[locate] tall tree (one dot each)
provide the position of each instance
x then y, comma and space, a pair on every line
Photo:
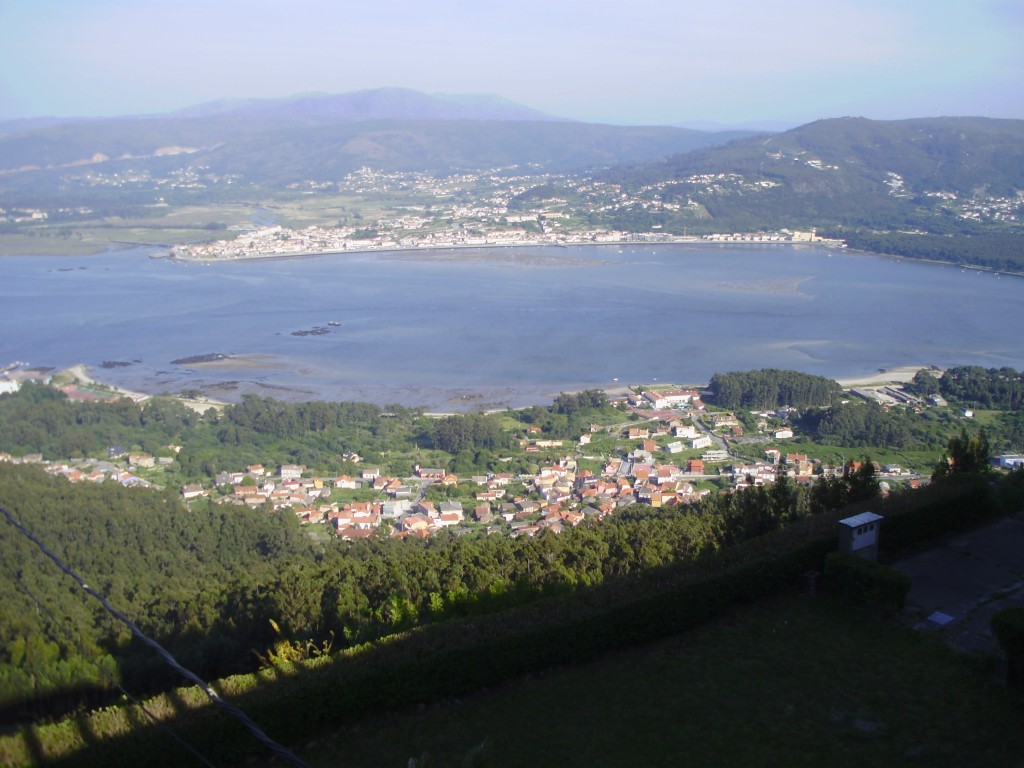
965, 455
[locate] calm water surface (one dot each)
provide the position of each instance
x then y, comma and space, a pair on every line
455, 330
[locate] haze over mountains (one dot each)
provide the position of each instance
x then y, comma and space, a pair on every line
315, 136
375, 104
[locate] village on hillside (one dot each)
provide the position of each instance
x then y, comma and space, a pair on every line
669, 450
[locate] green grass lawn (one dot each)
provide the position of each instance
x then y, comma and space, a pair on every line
787, 682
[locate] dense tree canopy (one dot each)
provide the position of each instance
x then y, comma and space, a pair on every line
473, 431
42, 419
977, 387
168, 566
771, 388
571, 403
867, 424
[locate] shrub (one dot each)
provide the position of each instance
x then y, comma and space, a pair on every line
866, 583
942, 508
1008, 627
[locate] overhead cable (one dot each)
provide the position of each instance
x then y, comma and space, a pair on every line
110, 678
225, 706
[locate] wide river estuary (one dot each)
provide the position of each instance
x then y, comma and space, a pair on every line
493, 328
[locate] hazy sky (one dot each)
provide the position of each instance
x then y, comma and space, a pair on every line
623, 61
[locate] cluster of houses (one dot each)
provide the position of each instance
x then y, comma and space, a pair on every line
795, 466
656, 467
93, 471
99, 473
280, 241
559, 494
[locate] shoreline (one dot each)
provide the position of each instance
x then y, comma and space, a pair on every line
935, 262
901, 374
82, 375
405, 249
685, 240
163, 253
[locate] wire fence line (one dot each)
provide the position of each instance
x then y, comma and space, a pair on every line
223, 705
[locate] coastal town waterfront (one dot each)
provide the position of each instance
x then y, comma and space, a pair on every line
278, 241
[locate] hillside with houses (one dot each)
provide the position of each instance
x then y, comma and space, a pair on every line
267, 532
657, 447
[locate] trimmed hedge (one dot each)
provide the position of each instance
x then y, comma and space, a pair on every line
866, 583
950, 506
1008, 627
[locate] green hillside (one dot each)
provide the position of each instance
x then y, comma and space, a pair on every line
783, 682
850, 157
898, 187
357, 631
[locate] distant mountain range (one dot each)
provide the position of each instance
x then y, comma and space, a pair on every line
320, 136
374, 104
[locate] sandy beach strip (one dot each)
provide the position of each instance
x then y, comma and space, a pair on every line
81, 375
900, 375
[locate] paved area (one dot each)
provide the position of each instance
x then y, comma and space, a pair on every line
959, 585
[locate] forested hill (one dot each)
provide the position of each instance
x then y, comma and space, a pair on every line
896, 186
952, 154
167, 566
